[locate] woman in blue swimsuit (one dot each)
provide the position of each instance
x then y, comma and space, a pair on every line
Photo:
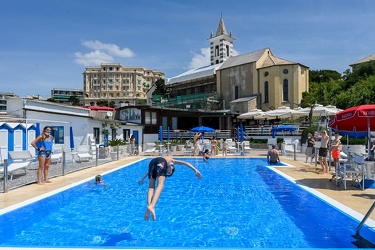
44, 151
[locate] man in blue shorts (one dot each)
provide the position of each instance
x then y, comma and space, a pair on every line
158, 169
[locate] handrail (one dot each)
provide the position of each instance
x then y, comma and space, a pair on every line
365, 218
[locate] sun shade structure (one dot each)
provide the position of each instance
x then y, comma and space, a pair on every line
317, 110
202, 129
280, 112
355, 120
252, 114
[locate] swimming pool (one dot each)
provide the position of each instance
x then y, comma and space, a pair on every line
238, 203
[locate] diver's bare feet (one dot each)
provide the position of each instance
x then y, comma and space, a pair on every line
147, 215
48, 181
40, 183
152, 211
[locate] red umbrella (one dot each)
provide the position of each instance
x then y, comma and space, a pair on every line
355, 119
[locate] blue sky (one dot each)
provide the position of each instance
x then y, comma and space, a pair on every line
46, 44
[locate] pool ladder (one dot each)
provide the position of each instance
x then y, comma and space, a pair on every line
365, 218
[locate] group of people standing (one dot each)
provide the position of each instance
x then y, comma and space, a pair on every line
323, 149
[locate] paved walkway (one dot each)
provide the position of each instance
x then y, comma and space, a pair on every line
357, 199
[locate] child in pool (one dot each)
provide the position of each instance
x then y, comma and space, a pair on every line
99, 181
206, 156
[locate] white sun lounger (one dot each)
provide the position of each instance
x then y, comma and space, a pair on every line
21, 160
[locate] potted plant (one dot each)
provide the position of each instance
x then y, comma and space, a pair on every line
114, 144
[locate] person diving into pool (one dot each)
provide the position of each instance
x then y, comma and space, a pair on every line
158, 169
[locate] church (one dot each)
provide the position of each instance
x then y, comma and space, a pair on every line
240, 83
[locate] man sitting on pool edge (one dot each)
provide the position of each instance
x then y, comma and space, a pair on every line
158, 169
273, 155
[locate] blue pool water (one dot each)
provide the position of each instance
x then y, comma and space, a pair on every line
238, 203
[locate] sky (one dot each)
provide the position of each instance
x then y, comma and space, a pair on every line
46, 44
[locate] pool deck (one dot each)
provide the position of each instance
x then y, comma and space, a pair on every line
354, 198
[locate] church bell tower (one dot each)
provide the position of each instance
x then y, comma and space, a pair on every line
221, 45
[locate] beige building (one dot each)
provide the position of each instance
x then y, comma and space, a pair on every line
364, 60
273, 81
118, 84
253, 80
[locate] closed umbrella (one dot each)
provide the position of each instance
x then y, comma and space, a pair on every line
71, 137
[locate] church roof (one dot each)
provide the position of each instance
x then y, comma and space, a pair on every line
273, 60
243, 59
204, 71
366, 59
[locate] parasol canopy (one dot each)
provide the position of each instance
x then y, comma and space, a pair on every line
202, 129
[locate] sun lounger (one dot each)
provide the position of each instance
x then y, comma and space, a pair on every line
83, 153
21, 160
150, 149
57, 153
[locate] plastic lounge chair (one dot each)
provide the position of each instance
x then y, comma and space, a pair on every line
353, 170
21, 160
83, 153
57, 150
231, 147
246, 146
150, 149
189, 151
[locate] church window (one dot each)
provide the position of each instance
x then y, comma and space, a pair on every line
285, 90
266, 73
285, 71
216, 50
227, 47
236, 92
266, 96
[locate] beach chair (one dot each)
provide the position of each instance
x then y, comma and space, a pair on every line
57, 153
83, 153
21, 160
246, 146
189, 151
150, 149
353, 170
231, 147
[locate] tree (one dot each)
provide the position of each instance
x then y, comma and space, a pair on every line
51, 99
160, 87
74, 100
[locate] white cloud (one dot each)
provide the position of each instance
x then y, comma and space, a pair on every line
93, 58
200, 60
103, 53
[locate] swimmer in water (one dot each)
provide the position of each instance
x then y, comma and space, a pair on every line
158, 169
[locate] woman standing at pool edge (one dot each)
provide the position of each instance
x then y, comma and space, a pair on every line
44, 153
158, 169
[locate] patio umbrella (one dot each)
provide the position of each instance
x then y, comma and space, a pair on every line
254, 113
317, 110
37, 132
161, 134
71, 138
202, 129
355, 119
280, 112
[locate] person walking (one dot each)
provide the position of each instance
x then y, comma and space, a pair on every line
45, 140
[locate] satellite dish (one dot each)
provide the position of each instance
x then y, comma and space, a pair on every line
109, 113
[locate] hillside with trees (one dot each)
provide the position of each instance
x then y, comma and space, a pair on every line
328, 87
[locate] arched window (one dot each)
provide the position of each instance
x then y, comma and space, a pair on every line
266, 94
285, 90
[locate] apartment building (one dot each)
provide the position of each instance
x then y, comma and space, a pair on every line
118, 84
64, 95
